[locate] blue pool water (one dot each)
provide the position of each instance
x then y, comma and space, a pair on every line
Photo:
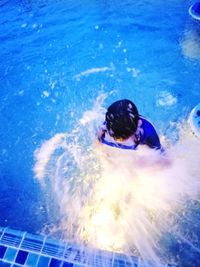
58, 57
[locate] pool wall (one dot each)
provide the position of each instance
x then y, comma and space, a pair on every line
18, 248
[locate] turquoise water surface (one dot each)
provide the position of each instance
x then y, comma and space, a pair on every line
58, 57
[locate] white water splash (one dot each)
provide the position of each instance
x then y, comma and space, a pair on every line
190, 44
92, 71
43, 155
116, 199
95, 114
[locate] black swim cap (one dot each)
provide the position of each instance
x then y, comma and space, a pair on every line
122, 119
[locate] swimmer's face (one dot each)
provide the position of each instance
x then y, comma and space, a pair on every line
121, 139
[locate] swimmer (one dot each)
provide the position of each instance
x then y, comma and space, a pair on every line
125, 128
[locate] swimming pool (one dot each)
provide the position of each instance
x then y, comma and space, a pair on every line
58, 57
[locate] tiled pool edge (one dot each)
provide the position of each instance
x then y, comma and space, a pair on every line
18, 248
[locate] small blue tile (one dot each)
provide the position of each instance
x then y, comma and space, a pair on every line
119, 263
43, 261
67, 264
10, 254
4, 264
2, 251
32, 259
55, 263
21, 257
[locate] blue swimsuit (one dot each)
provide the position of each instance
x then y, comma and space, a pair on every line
146, 136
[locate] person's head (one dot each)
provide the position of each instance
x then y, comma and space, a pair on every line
122, 119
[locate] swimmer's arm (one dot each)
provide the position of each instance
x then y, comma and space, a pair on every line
149, 135
153, 142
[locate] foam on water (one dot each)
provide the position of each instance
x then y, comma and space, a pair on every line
116, 199
166, 99
190, 44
